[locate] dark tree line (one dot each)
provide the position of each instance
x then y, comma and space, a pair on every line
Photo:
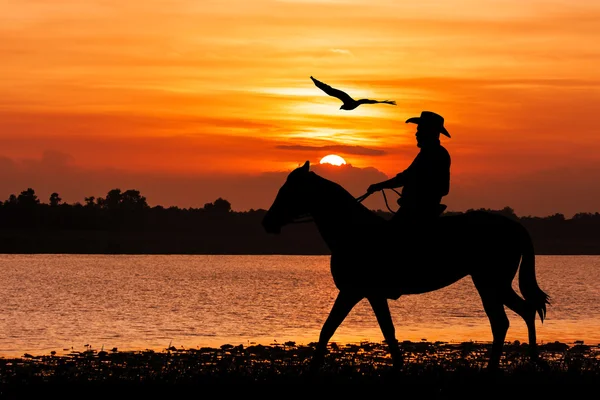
123, 222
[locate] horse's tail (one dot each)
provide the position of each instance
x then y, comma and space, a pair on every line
527, 280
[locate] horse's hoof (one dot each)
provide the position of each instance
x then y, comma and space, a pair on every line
542, 364
396, 369
314, 367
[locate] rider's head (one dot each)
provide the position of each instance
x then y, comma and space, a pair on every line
429, 127
427, 136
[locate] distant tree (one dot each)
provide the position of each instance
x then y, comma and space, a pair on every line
585, 216
556, 217
27, 198
54, 199
219, 206
113, 199
12, 200
89, 201
132, 200
508, 212
222, 205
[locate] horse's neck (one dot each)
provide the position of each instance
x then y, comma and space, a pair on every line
335, 211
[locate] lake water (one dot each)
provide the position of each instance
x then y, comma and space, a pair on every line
136, 302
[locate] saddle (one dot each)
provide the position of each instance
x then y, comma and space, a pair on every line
415, 231
439, 210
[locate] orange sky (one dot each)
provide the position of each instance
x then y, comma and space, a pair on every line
189, 100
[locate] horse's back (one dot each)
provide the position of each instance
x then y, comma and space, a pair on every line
435, 255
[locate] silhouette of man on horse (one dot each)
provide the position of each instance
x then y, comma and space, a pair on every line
365, 264
427, 178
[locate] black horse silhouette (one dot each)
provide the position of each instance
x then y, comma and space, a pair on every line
370, 259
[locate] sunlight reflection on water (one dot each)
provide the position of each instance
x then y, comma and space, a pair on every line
59, 302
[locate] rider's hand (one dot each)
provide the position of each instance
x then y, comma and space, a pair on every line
374, 188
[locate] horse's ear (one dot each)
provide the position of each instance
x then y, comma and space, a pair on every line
306, 165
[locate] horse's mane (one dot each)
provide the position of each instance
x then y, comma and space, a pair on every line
344, 197
335, 187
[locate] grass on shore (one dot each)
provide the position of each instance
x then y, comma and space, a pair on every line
434, 367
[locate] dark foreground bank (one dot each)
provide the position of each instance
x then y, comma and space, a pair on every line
430, 369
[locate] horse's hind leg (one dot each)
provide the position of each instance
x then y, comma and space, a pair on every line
494, 308
344, 303
527, 312
384, 318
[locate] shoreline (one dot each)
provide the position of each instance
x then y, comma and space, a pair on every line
429, 363
290, 344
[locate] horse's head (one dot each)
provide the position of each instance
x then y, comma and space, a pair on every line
291, 201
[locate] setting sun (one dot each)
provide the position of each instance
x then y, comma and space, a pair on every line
333, 160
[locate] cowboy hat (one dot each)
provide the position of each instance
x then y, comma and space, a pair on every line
430, 119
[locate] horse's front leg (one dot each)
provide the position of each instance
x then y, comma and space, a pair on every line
384, 318
344, 303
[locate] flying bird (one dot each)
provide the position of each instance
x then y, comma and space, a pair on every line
349, 102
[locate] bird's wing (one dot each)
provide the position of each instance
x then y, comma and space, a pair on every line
343, 96
367, 101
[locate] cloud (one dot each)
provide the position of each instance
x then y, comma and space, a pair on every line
355, 150
56, 159
341, 51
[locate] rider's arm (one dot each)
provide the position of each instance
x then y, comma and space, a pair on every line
391, 183
396, 181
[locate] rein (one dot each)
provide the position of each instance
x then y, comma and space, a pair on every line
307, 218
385, 198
